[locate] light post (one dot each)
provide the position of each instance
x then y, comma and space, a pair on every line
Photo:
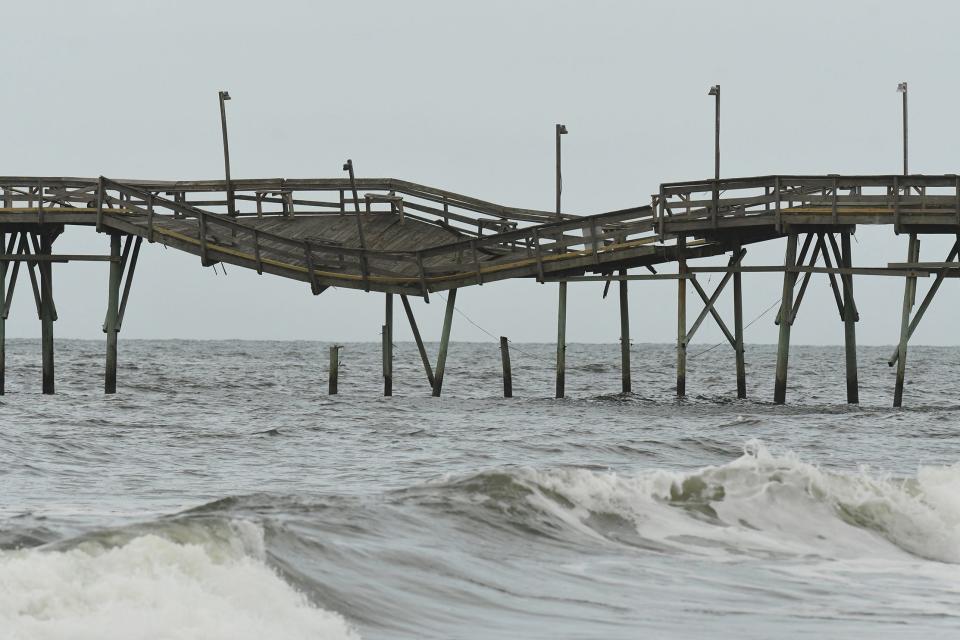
231, 204
715, 91
562, 300
902, 88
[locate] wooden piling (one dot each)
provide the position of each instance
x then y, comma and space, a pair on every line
909, 289
561, 340
46, 312
507, 374
625, 385
388, 347
444, 343
334, 370
113, 312
738, 332
416, 336
3, 320
681, 317
849, 325
786, 311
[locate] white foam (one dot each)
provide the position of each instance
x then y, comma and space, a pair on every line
152, 587
771, 504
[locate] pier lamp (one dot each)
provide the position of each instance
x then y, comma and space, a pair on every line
902, 88
231, 204
715, 92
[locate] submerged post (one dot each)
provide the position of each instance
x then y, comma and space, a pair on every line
388, 347
849, 324
681, 317
3, 320
909, 291
738, 331
113, 306
334, 371
46, 311
444, 343
561, 340
507, 374
624, 336
786, 311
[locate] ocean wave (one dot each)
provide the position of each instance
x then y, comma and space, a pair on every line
760, 504
202, 579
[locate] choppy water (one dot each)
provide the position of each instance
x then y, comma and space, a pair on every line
223, 494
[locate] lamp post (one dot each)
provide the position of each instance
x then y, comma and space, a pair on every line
902, 88
231, 205
562, 300
715, 91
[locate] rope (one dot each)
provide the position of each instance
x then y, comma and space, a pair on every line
747, 326
495, 337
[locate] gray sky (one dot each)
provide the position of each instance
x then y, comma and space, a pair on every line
464, 96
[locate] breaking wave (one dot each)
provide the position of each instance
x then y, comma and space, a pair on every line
198, 580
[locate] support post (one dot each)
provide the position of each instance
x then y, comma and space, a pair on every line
909, 289
507, 374
388, 347
849, 325
444, 343
681, 317
738, 332
416, 336
334, 372
3, 320
113, 313
624, 336
46, 311
561, 340
786, 306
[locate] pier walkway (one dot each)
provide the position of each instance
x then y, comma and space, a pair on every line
398, 237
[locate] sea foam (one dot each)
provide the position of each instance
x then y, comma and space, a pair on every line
154, 587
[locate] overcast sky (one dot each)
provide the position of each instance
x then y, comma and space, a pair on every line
464, 96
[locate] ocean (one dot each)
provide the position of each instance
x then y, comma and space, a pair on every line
223, 494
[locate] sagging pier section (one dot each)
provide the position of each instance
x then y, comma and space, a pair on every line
409, 240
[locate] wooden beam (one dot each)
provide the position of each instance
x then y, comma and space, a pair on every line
444, 343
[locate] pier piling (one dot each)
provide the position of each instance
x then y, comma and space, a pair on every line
681, 317
849, 324
507, 374
388, 347
113, 305
625, 385
738, 331
47, 310
334, 370
909, 293
416, 337
561, 340
786, 307
444, 343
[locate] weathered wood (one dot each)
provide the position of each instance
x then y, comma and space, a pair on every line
444, 343
681, 318
849, 326
416, 336
507, 373
625, 382
113, 314
128, 281
333, 374
561, 372
47, 314
913, 255
3, 320
738, 334
388, 346
783, 344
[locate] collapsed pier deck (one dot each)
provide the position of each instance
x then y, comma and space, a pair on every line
398, 237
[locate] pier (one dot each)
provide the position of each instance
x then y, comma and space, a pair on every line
398, 238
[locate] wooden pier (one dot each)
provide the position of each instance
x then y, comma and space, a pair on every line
396, 237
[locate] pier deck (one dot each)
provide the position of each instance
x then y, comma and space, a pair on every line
398, 237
